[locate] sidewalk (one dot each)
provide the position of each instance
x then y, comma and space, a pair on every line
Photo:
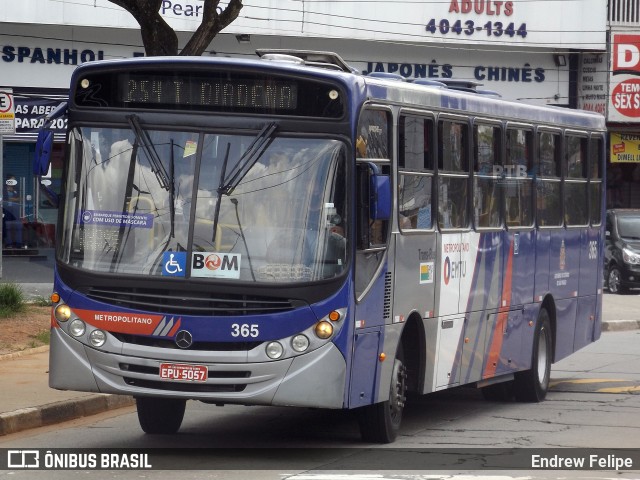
28, 402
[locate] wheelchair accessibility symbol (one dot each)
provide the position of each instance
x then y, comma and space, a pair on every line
174, 264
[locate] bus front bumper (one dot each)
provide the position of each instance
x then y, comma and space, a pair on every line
315, 379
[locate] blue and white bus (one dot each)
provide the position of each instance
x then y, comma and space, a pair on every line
285, 231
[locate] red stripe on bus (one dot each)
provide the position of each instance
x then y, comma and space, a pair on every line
503, 315
175, 328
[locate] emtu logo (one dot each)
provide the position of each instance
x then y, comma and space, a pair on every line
447, 270
454, 270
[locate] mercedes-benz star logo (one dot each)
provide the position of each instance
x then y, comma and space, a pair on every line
184, 339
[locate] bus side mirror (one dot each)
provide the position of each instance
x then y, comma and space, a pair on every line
373, 202
380, 196
44, 142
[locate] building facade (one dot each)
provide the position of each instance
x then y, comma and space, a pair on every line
539, 52
623, 104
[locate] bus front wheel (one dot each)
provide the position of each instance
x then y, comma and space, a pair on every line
532, 385
160, 415
380, 422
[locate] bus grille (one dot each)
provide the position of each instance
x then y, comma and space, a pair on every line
189, 303
184, 387
386, 314
204, 346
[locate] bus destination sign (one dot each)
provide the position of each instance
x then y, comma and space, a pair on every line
208, 90
240, 93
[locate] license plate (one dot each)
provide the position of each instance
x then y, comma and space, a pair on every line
183, 372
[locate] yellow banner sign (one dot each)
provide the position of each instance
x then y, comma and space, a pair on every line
625, 148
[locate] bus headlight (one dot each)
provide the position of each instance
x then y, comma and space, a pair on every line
77, 327
62, 313
324, 330
274, 350
300, 343
97, 338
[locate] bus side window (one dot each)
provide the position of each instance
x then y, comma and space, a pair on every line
518, 184
415, 180
595, 180
453, 175
373, 142
576, 189
487, 171
548, 180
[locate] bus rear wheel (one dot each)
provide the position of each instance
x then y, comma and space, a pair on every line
532, 385
380, 422
160, 415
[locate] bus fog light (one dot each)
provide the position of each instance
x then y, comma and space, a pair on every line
77, 327
62, 312
324, 330
300, 343
274, 350
97, 338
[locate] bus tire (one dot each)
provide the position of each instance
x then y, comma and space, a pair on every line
160, 415
532, 385
380, 422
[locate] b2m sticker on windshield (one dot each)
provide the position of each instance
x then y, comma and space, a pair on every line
115, 219
215, 265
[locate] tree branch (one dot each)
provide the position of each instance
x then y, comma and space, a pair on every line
212, 23
158, 37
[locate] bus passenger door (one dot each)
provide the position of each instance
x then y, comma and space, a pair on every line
590, 282
456, 259
564, 280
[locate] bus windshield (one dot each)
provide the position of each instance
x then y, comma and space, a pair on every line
194, 204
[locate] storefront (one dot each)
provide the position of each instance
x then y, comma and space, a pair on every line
36, 63
30, 203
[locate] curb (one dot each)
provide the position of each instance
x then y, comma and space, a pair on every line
22, 353
620, 325
52, 413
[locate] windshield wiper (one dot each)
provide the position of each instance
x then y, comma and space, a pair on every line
248, 159
143, 139
172, 194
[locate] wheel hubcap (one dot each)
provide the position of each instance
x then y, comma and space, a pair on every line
542, 357
397, 396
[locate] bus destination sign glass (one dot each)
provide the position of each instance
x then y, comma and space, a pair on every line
240, 93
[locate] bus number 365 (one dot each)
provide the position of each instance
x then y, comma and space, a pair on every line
245, 330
